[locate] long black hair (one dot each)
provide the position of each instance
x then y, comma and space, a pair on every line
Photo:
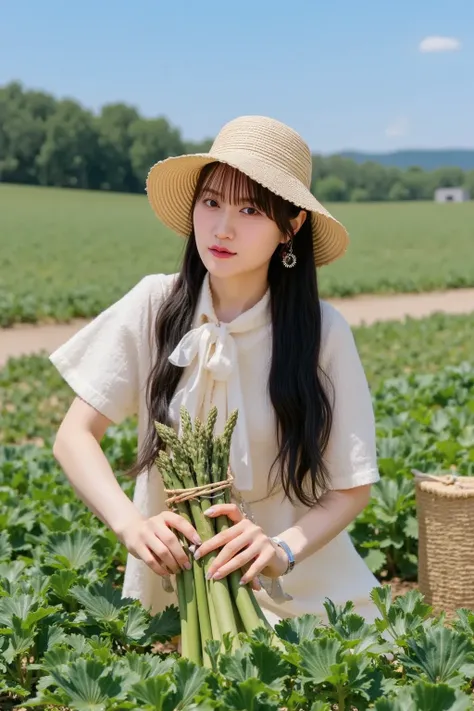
300, 399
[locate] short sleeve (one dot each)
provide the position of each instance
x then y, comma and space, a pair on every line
351, 454
101, 362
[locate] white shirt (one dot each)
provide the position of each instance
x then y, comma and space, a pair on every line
227, 365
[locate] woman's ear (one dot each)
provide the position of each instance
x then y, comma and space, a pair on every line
296, 224
298, 221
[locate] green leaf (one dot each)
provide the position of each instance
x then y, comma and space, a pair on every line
19, 605
12, 571
337, 614
213, 649
440, 421
413, 603
38, 701
137, 666
5, 547
57, 657
363, 637
464, 621
271, 668
375, 560
403, 617
318, 657
237, 666
61, 582
189, 680
136, 624
392, 496
157, 692
88, 685
320, 706
35, 616
363, 679
100, 600
442, 654
163, 626
297, 629
466, 439
73, 550
410, 528
249, 696
426, 697
19, 642
450, 449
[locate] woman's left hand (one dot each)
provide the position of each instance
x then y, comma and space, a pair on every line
242, 544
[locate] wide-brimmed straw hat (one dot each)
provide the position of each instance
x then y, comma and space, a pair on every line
268, 152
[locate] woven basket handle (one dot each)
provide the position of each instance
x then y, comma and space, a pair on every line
447, 479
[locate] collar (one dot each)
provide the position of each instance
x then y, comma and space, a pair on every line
255, 317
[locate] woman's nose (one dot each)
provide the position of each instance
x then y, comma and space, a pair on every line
224, 226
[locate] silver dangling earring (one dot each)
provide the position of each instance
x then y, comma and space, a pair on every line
288, 258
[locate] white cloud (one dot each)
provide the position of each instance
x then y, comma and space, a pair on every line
398, 127
439, 44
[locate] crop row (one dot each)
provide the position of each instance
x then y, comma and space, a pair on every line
68, 639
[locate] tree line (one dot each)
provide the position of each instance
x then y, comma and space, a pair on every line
47, 141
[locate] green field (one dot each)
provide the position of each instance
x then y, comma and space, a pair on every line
71, 642
34, 397
408, 379
66, 253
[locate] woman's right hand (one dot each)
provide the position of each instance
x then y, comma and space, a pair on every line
153, 541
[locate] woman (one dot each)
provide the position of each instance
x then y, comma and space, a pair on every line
240, 326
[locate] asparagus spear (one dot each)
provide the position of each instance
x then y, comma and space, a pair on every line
219, 589
191, 646
249, 609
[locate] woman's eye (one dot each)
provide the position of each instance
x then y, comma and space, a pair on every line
252, 211
210, 200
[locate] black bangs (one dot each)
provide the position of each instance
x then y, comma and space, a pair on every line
233, 186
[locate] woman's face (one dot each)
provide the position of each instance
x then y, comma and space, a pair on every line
246, 236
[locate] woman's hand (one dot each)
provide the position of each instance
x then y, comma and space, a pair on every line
154, 541
242, 544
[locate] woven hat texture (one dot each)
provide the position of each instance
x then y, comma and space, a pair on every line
267, 151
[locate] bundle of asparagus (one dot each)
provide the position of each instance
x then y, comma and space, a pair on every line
196, 474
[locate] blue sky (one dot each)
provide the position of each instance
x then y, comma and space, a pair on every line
344, 74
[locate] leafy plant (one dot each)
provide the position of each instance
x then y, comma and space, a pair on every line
424, 422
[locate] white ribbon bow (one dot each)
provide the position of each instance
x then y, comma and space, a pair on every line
223, 364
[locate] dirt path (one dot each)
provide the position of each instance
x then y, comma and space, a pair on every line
26, 339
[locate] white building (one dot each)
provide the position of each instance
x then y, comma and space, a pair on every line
451, 195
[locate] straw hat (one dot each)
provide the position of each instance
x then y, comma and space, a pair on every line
268, 152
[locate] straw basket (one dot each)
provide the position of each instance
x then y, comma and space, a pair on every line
445, 508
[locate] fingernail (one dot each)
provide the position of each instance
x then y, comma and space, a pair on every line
217, 575
209, 512
208, 575
187, 565
242, 581
197, 541
197, 554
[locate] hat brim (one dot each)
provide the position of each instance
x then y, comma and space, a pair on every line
171, 184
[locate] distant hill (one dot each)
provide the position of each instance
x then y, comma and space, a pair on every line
425, 159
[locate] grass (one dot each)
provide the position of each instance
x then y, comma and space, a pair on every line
392, 349
67, 253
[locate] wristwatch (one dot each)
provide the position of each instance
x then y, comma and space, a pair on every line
288, 551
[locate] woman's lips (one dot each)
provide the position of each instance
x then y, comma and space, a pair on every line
221, 254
